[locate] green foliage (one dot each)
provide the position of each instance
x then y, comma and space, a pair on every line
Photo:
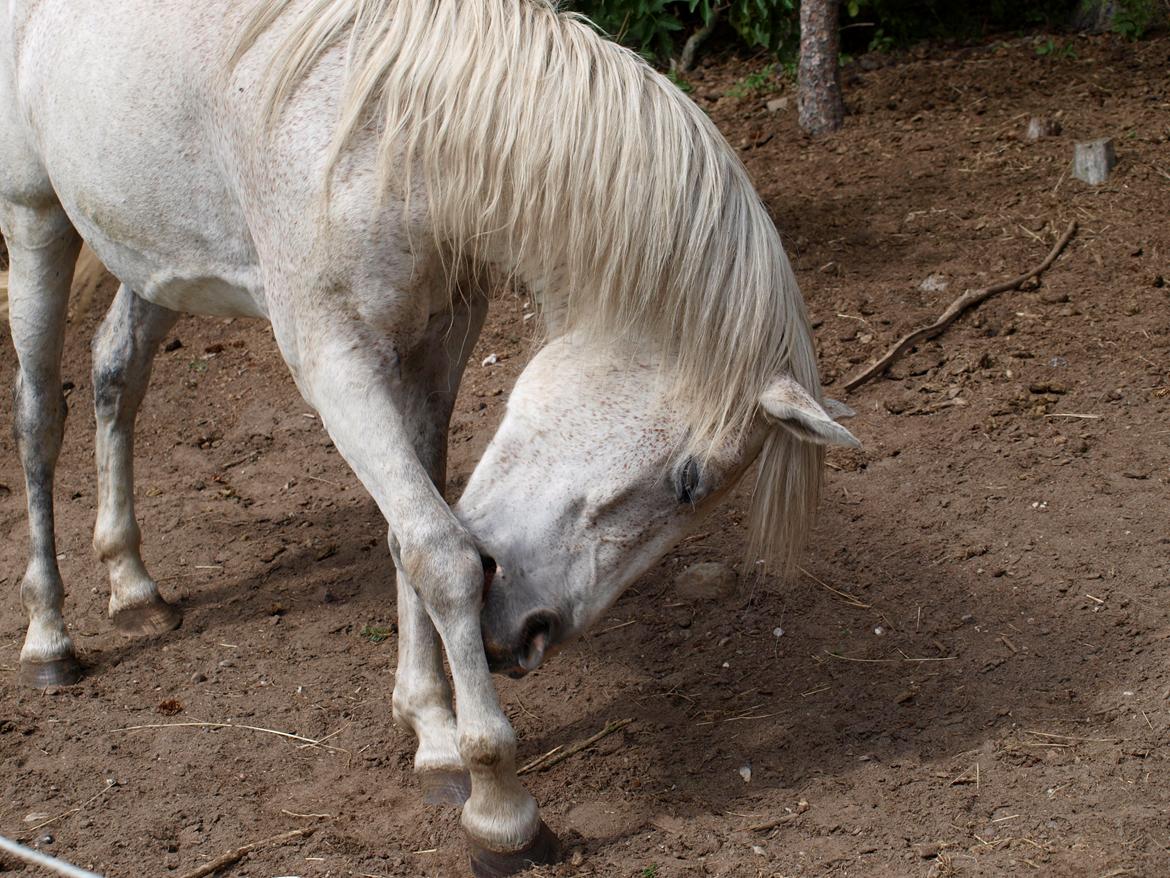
680, 82
376, 633
761, 82
1050, 48
1132, 18
657, 28
650, 871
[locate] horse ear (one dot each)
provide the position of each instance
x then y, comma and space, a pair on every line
790, 406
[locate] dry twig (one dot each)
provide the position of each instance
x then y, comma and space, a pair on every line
239, 853
956, 308
205, 725
551, 758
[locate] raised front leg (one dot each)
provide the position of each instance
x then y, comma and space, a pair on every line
422, 695
366, 399
123, 351
42, 248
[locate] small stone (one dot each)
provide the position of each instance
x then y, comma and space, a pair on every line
577, 858
927, 850
745, 772
777, 632
199, 677
46, 839
1054, 297
935, 283
1041, 387
900, 404
706, 581
173, 345
490, 360
777, 105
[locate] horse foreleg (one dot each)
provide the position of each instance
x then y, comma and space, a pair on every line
356, 386
123, 351
422, 695
422, 702
42, 248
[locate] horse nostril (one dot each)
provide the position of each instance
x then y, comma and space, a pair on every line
539, 633
489, 573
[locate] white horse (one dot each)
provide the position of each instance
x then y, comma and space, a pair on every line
358, 172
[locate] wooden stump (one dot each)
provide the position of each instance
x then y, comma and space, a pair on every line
1042, 126
1093, 160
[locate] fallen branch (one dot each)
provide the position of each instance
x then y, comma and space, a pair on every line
553, 757
957, 307
239, 853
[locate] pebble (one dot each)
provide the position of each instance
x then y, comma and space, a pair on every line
745, 772
199, 677
928, 850
777, 632
934, 283
706, 581
490, 360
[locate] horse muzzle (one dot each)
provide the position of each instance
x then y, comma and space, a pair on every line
516, 650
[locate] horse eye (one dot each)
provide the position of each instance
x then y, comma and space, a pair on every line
687, 487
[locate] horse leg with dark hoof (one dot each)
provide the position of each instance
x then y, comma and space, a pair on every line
146, 620
445, 787
123, 350
49, 675
543, 850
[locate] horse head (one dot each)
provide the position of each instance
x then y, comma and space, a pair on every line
590, 479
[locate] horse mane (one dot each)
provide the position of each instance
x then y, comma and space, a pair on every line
542, 144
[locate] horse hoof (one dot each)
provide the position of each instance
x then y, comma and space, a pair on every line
145, 620
46, 675
544, 850
444, 787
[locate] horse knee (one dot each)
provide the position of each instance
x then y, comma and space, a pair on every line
38, 423
446, 572
112, 364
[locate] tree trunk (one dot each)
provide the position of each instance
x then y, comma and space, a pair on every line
821, 107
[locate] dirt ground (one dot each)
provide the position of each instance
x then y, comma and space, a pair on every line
972, 678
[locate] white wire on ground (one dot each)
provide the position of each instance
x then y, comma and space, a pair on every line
43, 860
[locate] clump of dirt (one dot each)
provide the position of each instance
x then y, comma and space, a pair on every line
970, 676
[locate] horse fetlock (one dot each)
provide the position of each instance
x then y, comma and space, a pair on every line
489, 749
115, 541
41, 591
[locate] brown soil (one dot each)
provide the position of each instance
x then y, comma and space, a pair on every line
972, 679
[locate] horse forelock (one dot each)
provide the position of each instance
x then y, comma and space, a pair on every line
543, 145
